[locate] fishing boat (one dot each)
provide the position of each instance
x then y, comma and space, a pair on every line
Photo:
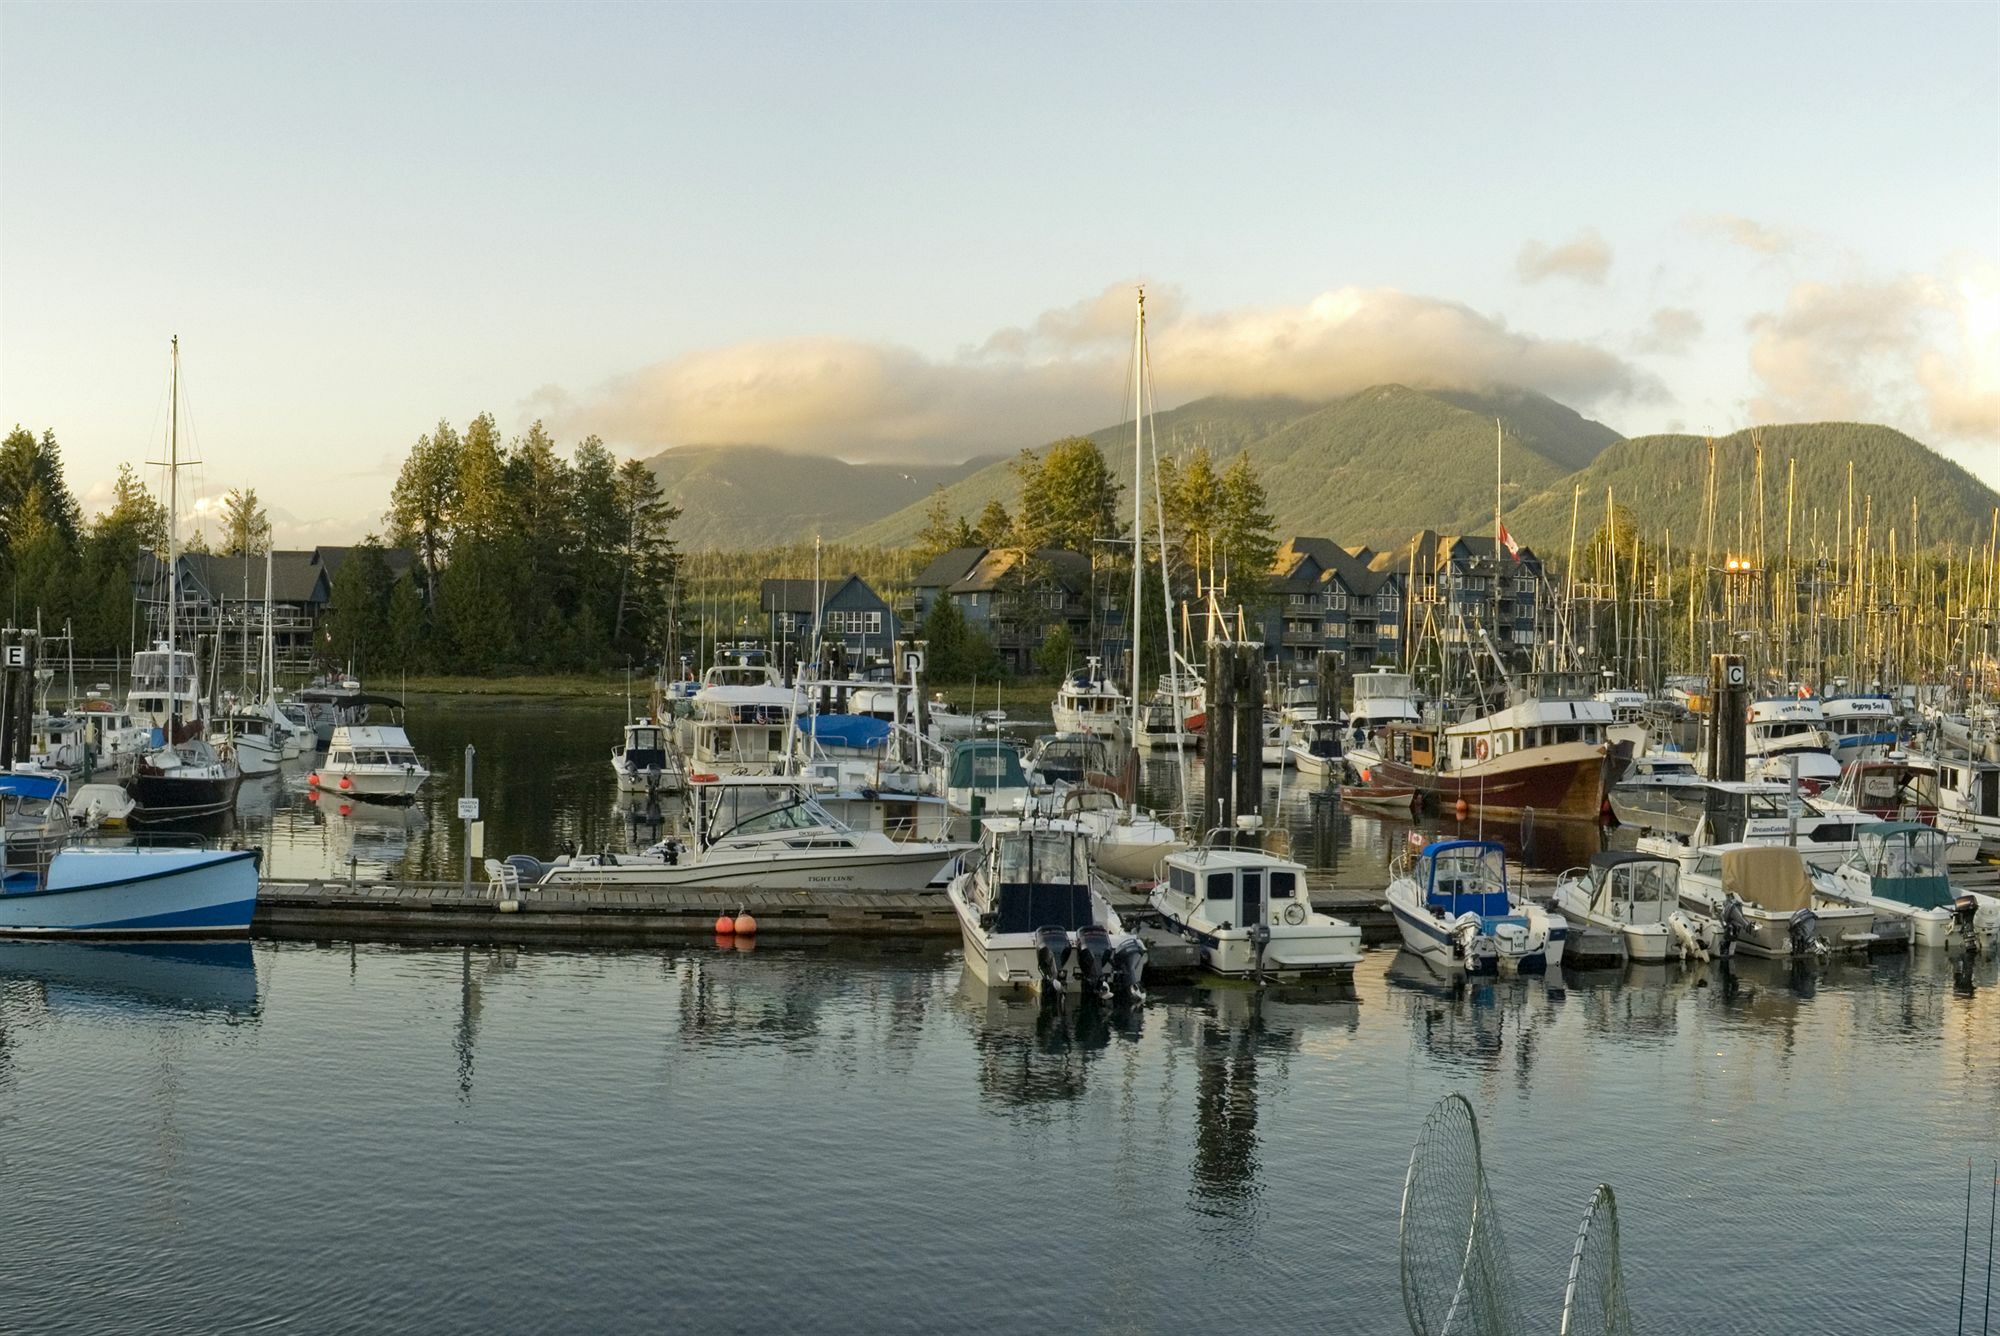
1030, 917
1628, 717
757, 833
1765, 897
1087, 703
1899, 872
1126, 842
1546, 751
1628, 905
642, 763
1248, 912
988, 769
1861, 728
1453, 906
123, 891
374, 762
1785, 732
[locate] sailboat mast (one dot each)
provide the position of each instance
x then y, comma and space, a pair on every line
1138, 493
173, 533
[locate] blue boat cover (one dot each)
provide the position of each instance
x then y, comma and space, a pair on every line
857, 731
26, 785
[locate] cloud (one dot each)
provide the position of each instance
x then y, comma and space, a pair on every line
1915, 349
1746, 232
1585, 258
1066, 370
1671, 329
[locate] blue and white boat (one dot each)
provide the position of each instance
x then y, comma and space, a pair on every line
123, 891
1863, 728
1453, 907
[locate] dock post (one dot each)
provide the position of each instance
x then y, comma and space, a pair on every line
1728, 716
465, 820
1217, 805
1249, 667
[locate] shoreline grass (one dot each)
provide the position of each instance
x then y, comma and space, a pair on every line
574, 685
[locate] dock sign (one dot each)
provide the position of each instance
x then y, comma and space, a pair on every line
913, 663
468, 809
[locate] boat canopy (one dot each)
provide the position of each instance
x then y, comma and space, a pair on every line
1906, 861
37, 786
985, 763
857, 732
1772, 876
1611, 858
1466, 876
1629, 880
1041, 877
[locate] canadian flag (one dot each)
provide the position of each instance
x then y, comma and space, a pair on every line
1507, 541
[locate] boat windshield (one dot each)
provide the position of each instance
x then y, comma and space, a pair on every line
1903, 853
757, 809
1652, 884
1041, 858
1469, 878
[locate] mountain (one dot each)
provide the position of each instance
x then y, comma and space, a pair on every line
1369, 467
748, 496
1662, 479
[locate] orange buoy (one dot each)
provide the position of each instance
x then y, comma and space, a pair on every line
313, 779
746, 926
1461, 808
346, 810
725, 925
346, 783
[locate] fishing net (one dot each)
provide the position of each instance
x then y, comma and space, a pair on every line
1456, 1277
1594, 1299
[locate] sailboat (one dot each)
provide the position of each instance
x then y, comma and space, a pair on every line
182, 776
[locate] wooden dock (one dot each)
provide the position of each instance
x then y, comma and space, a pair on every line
631, 915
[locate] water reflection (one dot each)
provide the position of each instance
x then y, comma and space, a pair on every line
132, 978
1030, 1054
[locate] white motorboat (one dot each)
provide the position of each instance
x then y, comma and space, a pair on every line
1785, 732
1249, 912
1628, 905
988, 769
1276, 740
1896, 786
1381, 698
1899, 872
1030, 916
1087, 703
96, 806
735, 727
1318, 749
1126, 842
1453, 906
763, 833
1068, 758
1766, 900
374, 762
1660, 791
115, 739
336, 701
642, 761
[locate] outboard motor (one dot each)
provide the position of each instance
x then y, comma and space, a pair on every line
1803, 931
1965, 921
1052, 948
1260, 938
1093, 959
1128, 968
1735, 925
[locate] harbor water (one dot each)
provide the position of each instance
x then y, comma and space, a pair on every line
840, 1137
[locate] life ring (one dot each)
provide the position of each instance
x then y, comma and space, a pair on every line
1479, 749
1295, 914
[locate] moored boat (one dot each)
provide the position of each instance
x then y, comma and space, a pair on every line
1249, 912
374, 762
1766, 900
1453, 906
131, 892
1899, 872
1629, 905
1030, 917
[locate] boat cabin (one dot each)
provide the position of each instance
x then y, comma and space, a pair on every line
985, 765
1891, 790
1382, 698
1464, 877
1323, 738
1905, 861
745, 806
1036, 874
1860, 718
1634, 887
1235, 888
1068, 758
1970, 787
164, 683
359, 746
645, 746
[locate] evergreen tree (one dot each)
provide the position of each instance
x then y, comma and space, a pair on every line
246, 529
1068, 497
424, 504
646, 556
995, 527
944, 633
940, 528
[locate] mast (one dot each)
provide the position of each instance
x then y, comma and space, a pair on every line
267, 667
173, 534
1138, 496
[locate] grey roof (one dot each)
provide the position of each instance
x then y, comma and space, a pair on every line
949, 567
1352, 566
1070, 569
397, 559
294, 577
797, 595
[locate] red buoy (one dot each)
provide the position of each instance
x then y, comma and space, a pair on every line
746, 926
313, 779
725, 925
346, 783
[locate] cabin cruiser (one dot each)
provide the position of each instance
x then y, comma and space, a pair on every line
1087, 703
1752, 812
114, 738
642, 763
1546, 751
1316, 749
1789, 731
1381, 698
1453, 907
57, 742
1068, 758
1766, 900
371, 761
988, 769
1899, 872
1630, 904
866, 795
736, 726
1645, 796
1030, 916
335, 700
1126, 842
1249, 912
1861, 727
757, 832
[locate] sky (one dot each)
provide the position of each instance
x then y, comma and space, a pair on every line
901, 231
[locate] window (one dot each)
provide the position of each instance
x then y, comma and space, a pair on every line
1282, 885
1336, 600
1221, 886
874, 623
1299, 600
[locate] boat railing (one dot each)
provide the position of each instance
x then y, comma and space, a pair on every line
1257, 839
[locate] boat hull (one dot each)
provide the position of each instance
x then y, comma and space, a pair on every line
1563, 781
1425, 934
158, 797
138, 893
908, 868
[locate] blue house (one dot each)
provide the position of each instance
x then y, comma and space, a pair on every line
1328, 597
850, 612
